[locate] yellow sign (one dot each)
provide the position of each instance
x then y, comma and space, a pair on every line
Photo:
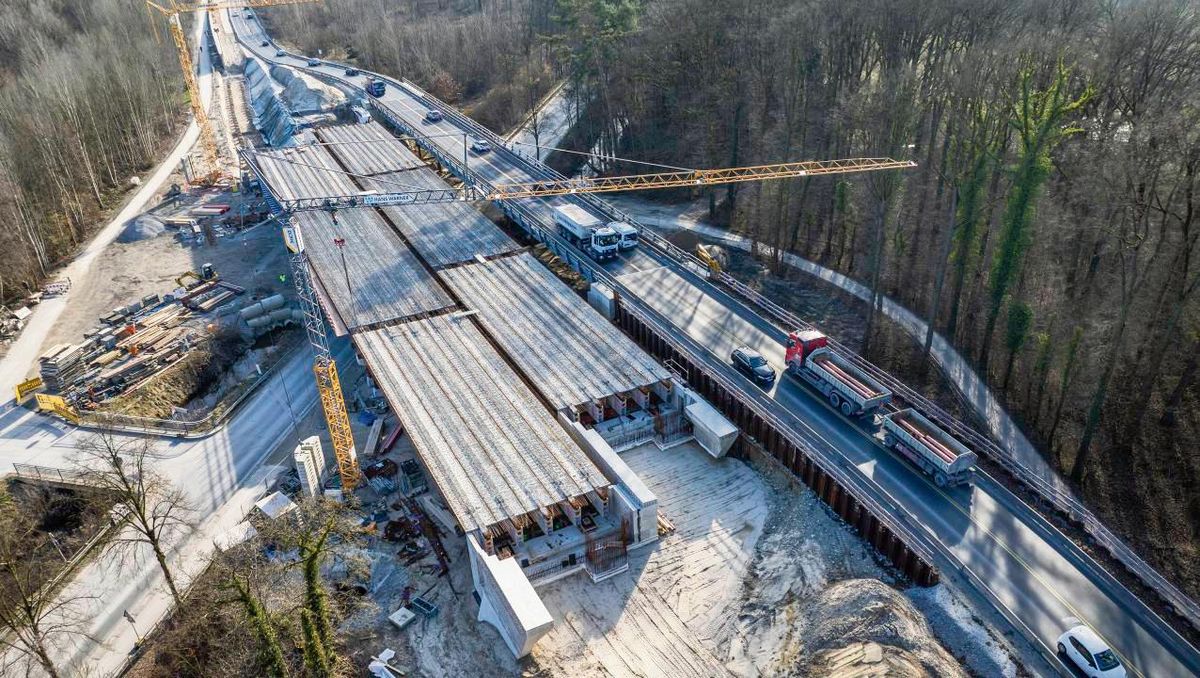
26, 387
56, 405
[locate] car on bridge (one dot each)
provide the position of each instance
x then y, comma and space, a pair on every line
1085, 650
280, 53
433, 115
751, 363
351, 72
266, 43
314, 62
480, 145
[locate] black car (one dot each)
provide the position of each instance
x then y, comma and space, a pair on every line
266, 43
351, 72
753, 365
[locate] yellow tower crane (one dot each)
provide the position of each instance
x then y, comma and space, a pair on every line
329, 387
210, 169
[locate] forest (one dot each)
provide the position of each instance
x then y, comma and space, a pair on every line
1050, 229
88, 96
488, 58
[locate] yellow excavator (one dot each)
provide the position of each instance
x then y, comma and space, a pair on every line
709, 260
206, 273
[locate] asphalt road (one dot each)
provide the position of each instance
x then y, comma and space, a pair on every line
1002, 546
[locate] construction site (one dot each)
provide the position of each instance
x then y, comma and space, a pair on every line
524, 398
509, 438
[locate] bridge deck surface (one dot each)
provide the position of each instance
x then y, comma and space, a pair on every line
492, 448
570, 352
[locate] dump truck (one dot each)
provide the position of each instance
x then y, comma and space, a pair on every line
586, 232
931, 449
848, 388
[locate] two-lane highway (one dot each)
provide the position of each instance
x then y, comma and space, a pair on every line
990, 540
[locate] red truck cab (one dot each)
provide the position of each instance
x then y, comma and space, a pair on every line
803, 342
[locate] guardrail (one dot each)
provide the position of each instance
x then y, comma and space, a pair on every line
1058, 497
49, 474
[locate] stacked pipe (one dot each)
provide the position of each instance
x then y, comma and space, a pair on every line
836, 370
935, 445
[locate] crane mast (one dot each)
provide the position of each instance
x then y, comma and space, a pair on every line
329, 387
210, 166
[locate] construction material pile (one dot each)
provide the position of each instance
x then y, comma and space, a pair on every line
132, 344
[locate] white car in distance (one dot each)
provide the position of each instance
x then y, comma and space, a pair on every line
1080, 646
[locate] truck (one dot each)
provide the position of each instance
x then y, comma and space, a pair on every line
912, 436
626, 232
376, 87
586, 232
848, 388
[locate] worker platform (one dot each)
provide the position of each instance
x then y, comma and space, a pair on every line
444, 233
382, 280
299, 173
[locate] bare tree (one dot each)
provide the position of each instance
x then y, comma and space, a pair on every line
156, 511
34, 617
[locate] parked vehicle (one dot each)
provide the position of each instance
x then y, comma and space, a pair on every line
586, 232
931, 449
1080, 646
480, 145
376, 88
751, 363
628, 234
351, 72
848, 388
433, 115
